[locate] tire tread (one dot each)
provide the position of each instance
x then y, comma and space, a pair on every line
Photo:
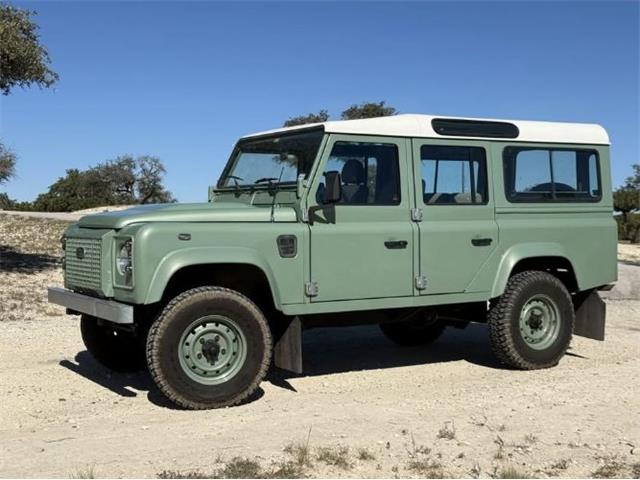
500, 315
161, 323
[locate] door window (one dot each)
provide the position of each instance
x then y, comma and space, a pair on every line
370, 173
453, 175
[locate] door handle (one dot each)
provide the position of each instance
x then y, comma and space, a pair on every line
396, 244
481, 242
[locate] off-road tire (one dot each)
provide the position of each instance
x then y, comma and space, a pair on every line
167, 330
414, 332
504, 317
115, 349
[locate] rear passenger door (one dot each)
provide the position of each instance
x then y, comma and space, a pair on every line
458, 230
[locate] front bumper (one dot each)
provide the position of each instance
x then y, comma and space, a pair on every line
97, 307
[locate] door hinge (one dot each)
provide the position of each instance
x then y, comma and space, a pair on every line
416, 214
311, 289
305, 215
421, 282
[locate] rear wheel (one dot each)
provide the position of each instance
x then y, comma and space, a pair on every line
114, 348
210, 347
419, 331
532, 323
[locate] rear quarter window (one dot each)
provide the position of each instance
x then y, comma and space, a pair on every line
539, 175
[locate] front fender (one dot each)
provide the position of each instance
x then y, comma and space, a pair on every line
521, 251
178, 259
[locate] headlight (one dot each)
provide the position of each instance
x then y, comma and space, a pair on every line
123, 259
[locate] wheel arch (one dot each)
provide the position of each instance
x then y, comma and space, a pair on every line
238, 268
549, 257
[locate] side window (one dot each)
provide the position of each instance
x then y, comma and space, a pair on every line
453, 175
539, 175
370, 173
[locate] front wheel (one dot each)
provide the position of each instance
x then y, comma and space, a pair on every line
209, 348
531, 324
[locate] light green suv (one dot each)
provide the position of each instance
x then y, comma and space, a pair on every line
413, 222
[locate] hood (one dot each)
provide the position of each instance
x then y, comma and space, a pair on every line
188, 212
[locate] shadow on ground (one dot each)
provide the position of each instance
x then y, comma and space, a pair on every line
12, 260
125, 384
326, 351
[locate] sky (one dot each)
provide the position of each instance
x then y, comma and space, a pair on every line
183, 80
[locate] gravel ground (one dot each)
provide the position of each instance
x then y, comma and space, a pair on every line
364, 408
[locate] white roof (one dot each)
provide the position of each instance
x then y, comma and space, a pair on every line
414, 125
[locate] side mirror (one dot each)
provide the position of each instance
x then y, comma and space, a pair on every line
333, 187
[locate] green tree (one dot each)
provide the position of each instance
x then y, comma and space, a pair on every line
23, 60
7, 164
368, 110
626, 200
126, 180
148, 187
321, 116
634, 180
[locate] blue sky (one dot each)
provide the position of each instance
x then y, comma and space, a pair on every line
183, 80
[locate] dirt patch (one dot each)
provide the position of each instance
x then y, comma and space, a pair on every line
629, 253
30, 260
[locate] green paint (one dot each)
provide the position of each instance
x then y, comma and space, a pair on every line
345, 252
539, 322
212, 350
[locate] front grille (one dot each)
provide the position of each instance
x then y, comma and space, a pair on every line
82, 263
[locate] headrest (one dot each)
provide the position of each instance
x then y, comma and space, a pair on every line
353, 172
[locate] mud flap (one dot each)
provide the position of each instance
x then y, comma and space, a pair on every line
287, 352
590, 315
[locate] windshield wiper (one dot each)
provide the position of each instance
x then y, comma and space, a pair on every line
266, 179
235, 179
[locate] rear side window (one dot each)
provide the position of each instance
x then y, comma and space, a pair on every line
551, 175
453, 175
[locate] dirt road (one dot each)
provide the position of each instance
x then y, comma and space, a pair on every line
61, 412
374, 409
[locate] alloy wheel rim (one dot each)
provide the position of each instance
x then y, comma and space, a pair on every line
212, 350
539, 322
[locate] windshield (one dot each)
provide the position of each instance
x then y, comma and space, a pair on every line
266, 160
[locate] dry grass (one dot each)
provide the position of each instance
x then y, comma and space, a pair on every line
365, 455
611, 467
240, 467
511, 472
335, 456
448, 431
427, 468
30, 257
84, 472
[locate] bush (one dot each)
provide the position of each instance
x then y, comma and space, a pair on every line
629, 230
7, 203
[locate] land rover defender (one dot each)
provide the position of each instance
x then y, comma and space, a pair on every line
413, 222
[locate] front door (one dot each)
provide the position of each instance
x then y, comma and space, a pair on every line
363, 246
458, 231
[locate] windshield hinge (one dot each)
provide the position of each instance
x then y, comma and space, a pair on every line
421, 282
416, 214
311, 289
